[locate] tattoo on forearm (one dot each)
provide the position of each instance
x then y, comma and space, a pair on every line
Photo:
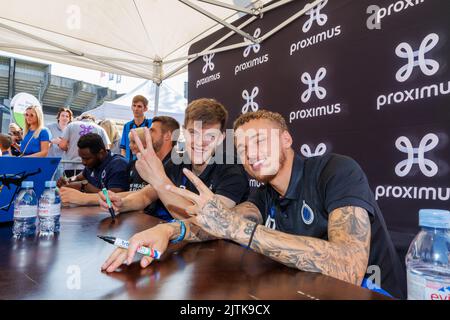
196, 234
344, 256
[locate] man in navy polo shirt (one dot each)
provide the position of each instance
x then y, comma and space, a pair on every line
316, 214
139, 108
102, 168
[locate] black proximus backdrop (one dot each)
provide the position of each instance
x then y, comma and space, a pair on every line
382, 94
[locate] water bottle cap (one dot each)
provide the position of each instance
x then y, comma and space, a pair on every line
434, 218
27, 184
50, 184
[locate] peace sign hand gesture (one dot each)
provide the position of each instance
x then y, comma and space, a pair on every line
149, 166
207, 210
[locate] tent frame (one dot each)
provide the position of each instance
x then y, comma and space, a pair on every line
256, 11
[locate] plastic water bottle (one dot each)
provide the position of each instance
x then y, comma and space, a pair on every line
49, 209
428, 257
25, 211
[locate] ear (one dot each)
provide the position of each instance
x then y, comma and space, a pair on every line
221, 138
286, 140
167, 136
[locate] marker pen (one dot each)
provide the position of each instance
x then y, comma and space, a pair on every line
108, 201
125, 244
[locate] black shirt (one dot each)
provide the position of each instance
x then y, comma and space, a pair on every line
318, 186
135, 180
228, 180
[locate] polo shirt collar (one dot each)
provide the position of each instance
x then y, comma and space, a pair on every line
105, 162
206, 172
296, 177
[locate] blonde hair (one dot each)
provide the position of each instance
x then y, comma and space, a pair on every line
141, 134
261, 114
40, 121
111, 129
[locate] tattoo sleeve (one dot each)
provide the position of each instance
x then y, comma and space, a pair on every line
344, 256
235, 223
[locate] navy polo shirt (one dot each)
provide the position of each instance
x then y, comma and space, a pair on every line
125, 141
111, 173
228, 180
318, 186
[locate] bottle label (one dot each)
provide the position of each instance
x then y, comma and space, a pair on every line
51, 210
25, 211
420, 288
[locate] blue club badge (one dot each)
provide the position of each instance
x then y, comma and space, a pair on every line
307, 214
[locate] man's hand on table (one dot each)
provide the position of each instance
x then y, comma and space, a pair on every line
157, 238
116, 201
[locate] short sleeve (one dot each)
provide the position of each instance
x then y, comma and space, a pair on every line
233, 184
258, 197
118, 175
45, 135
343, 183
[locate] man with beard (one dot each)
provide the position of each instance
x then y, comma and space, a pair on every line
319, 213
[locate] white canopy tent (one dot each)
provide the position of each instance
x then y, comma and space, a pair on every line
142, 38
171, 104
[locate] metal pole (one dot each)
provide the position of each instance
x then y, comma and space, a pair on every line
156, 98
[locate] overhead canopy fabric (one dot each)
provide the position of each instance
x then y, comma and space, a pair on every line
170, 104
141, 38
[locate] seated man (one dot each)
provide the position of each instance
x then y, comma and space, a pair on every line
205, 121
5, 145
161, 132
319, 213
102, 169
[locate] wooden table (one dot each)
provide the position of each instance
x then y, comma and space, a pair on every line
67, 266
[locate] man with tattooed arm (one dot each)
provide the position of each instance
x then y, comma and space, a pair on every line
316, 214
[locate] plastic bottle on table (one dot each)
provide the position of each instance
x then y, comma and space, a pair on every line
25, 210
49, 209
428, 257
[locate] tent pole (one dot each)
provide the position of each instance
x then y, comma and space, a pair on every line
230, 6
156, 98
218, 20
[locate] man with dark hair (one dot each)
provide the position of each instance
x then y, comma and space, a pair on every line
316, 214
139, 107
205, 121
5, 145
64, 117
102, 169
70, 137
163, 125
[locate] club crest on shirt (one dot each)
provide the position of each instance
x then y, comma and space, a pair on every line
307, 214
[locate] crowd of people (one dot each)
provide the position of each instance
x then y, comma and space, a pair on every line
316, 214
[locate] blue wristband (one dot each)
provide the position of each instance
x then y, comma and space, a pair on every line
182, 232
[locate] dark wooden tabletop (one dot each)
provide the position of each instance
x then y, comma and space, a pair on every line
67, 266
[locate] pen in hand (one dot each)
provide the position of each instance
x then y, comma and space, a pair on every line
108, 202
